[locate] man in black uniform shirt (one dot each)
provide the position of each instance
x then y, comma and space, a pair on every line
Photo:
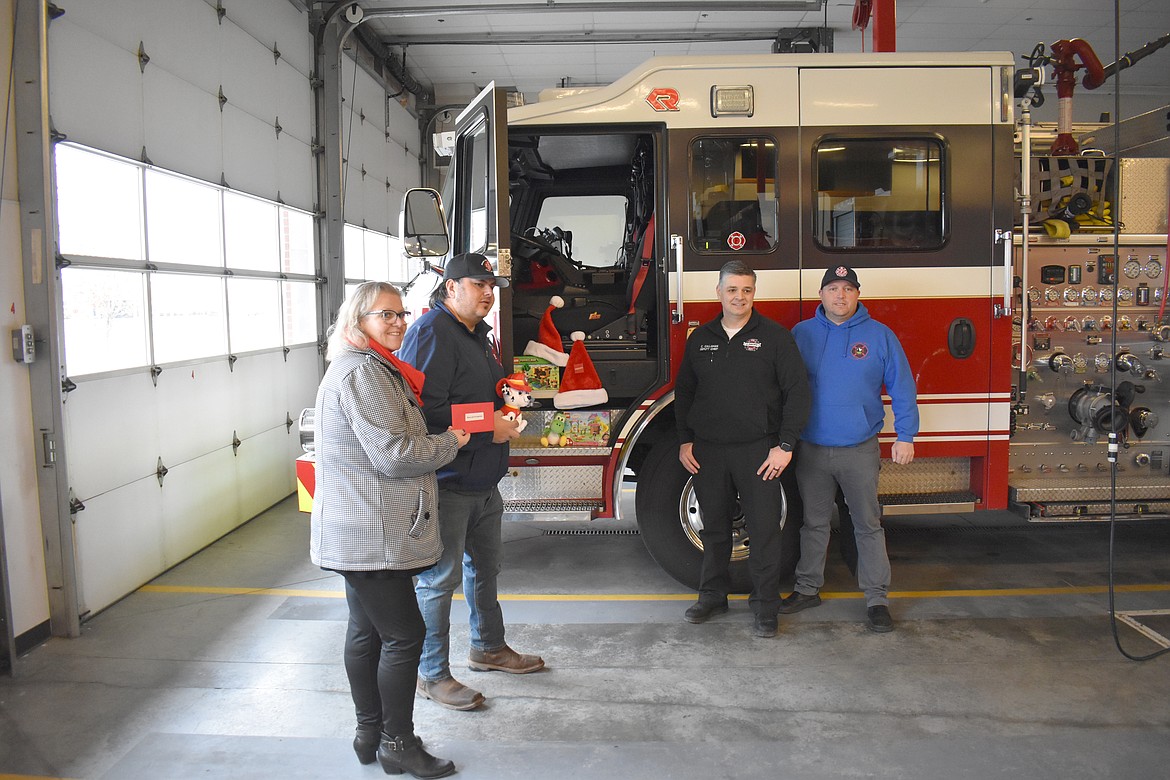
741, 399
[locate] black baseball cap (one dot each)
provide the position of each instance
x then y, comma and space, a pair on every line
471, 265
840, 273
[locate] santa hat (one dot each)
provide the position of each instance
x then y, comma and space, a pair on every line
549, 346
580, 385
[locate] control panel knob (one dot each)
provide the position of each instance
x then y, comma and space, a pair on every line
1127, 361
1142, 420
1061, 363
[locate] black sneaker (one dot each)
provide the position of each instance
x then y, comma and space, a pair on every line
764, 627
796, 601
700, 611
879, 619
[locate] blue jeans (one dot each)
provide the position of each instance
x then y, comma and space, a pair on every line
469, 525
819, 470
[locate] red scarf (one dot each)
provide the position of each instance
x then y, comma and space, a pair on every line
414, 378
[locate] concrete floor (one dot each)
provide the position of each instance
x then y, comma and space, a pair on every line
1002, 665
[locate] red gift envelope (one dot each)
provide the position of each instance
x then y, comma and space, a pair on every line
474, 418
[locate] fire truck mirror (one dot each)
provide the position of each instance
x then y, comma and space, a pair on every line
961, 338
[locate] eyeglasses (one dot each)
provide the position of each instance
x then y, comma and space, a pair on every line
389, 315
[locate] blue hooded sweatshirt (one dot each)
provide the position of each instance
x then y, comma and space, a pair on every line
847, 366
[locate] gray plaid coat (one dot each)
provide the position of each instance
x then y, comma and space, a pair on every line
376, 500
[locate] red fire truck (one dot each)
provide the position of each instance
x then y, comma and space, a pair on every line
624, 201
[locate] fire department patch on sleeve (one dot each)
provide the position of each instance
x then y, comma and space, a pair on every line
859, 350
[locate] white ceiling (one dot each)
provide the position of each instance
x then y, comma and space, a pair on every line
435, 37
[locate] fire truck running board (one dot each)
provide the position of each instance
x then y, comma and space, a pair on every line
566, 509
928, 503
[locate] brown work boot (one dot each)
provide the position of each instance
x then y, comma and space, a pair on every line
503, 660
449, 693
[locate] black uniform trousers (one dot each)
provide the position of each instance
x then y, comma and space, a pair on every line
383, 644
724, 471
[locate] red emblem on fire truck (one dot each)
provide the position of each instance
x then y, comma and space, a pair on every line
736, 240
663, 99
859, 350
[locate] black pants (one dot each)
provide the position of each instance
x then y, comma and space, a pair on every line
382, 646
724, 471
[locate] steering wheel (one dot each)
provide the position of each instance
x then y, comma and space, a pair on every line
570, 271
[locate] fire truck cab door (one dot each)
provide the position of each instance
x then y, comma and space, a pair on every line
479, 207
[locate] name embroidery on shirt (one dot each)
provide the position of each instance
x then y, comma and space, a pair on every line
859, 350
708, 347
751, 345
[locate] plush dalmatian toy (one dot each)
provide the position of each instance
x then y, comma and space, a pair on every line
517, 394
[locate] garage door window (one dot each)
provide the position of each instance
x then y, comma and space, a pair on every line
163, 268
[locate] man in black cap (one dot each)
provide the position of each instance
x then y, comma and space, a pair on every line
849, 358
451, 345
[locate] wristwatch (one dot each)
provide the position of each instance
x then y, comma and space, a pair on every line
785, 446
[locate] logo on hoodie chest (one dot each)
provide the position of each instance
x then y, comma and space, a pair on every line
859, 351
752, 345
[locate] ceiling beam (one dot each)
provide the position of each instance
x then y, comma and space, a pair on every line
595, 6
577, 37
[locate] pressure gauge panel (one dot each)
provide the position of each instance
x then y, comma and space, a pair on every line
1051, 294
1153, 268
1132, 268
1072, 295
1033, 295
1124, 294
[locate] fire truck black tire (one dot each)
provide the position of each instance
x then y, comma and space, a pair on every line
662, 484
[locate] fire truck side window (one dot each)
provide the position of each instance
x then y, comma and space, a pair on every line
879, 194
733, 195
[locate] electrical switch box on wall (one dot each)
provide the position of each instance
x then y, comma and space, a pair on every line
24, 348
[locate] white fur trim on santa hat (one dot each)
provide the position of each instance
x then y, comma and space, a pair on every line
575, 399
537, 349
584, 396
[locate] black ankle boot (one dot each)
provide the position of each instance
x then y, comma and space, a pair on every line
365, 743
405, 754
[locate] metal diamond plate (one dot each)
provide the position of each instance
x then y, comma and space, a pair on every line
927, 475
1144, 184
552, 484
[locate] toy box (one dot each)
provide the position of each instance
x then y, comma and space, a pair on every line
587, 429
543, 377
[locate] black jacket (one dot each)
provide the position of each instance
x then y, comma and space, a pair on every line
750, 387
461, 368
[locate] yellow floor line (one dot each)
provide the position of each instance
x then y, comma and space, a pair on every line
903, 594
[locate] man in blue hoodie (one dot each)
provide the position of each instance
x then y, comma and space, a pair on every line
849, 358
451, 345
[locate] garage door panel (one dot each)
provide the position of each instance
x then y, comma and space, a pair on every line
181, 126
112, 436
193, 409
199, 504
119, 543
264, 472
260, 397
97, 101
249, 157
248, 73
